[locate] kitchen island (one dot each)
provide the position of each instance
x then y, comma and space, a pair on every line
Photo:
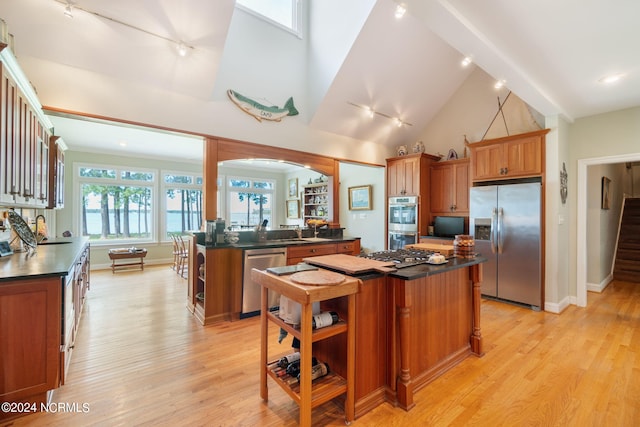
41, 296
215, 278
411, 326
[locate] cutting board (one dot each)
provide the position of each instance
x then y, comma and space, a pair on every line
317, 278
446, 250
350, 264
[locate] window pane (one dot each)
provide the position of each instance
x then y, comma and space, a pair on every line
266, 185
184, 210
178, 179
237, 183
136, 176
249, 209
199, 180
97, 173
280, 11
112, 212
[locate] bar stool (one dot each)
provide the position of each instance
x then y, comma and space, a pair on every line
183, 257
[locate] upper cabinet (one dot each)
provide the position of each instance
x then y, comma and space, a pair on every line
450, 187
25, 146
517, 156
408, 175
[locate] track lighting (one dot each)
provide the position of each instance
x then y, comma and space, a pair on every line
181, 47
370, 112
67, 11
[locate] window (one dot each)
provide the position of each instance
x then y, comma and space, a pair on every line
121, 205
250, 201
283, 13
116, 204
183, 203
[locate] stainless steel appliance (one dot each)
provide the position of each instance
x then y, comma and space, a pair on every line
505, 221
403, 221
401, 257
260, 259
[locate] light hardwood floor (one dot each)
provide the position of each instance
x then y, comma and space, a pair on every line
142, 359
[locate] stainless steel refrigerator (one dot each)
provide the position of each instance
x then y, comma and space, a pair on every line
505, 221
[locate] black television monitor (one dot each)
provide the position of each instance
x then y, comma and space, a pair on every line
448, 226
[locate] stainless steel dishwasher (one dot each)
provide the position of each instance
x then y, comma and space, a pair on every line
260, 259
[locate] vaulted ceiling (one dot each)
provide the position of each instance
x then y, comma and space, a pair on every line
551, 54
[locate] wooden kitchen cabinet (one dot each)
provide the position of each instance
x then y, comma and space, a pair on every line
408, 175
517, 156
216, 289
295, 254
450, 188
25, 146
30, 340
56, 174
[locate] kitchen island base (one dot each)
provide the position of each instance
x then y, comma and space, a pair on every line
436, 326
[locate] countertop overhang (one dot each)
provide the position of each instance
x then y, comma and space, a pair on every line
53, 258
280, 243
423, 270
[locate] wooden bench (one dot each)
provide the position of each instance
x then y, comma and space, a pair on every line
126, 254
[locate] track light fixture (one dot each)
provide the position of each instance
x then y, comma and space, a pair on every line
67, 11
370, 112
181, 47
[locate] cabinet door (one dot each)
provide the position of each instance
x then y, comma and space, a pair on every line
42, 166
395, 177
487, 162
8, 130
31, 337
441, 188
524, 157
411, 176
461, 188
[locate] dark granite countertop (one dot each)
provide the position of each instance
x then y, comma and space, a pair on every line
423, 270
281, 243
53, 258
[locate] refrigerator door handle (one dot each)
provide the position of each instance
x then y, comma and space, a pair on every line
493, 230
500, 231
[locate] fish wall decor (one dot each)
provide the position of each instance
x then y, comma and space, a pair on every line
262, 112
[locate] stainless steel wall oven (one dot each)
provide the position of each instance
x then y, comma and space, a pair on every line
403, 221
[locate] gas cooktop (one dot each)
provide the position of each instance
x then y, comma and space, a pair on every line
401, 257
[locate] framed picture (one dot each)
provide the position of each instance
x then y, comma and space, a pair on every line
605, 193
293, 187
360, 198
293, 209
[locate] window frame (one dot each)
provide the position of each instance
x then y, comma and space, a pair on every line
118, 180
272, 191
296, 17
158, 189
164, 186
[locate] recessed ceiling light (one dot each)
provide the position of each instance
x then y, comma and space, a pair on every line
612, 78
466, 61
400, 10
499, 84
123, 143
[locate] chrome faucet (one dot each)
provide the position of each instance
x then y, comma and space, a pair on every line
44, 221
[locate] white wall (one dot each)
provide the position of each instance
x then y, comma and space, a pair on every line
468, 112
606, 138
369, 225
602, 224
